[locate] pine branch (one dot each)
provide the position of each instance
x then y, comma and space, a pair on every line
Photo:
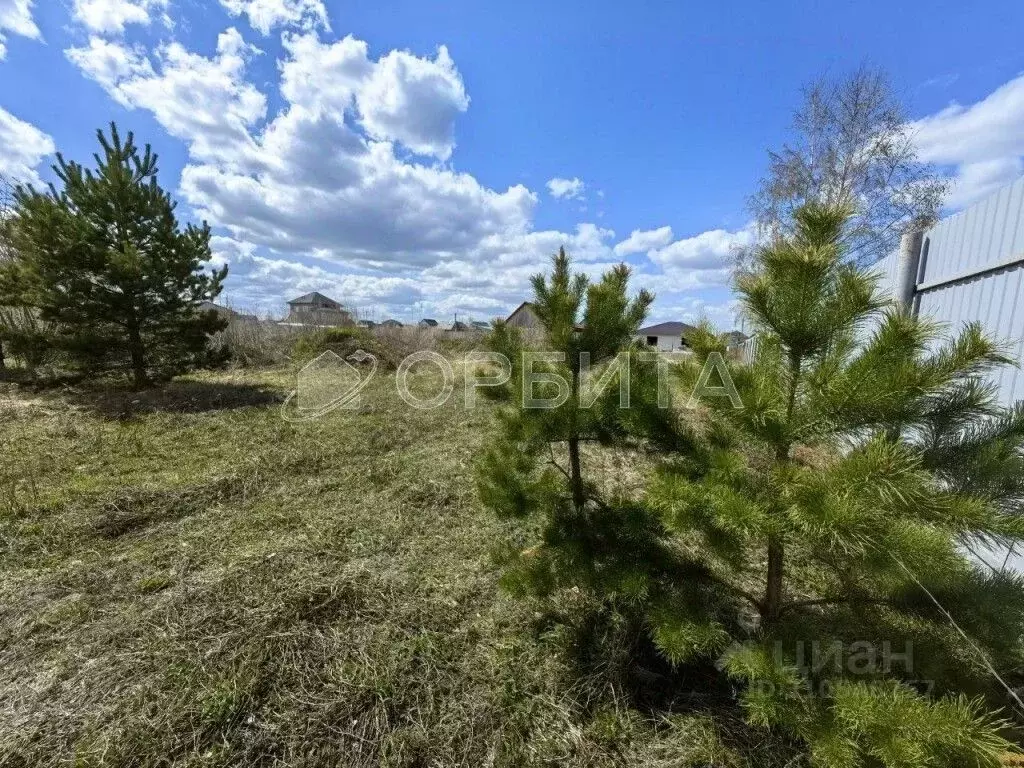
797, 605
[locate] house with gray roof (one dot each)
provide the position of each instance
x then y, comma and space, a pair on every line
665, 337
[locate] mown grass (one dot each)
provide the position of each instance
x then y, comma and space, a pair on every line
188, 579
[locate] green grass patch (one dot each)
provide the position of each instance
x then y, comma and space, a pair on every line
191, 580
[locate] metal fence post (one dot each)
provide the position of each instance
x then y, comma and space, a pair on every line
906, 268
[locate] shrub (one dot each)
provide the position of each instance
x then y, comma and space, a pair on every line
26, 339
389, 345
393, 345
342, 341
252, 343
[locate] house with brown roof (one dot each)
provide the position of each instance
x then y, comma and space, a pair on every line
316, 309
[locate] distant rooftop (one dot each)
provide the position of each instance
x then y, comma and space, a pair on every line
313, 298
666, 329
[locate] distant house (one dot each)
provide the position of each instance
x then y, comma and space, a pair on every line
209, 306
316, 309
391, 323
480, 325
734, 339
665, 337
311, 302
367, 324
458, 326
523, 316
427, 322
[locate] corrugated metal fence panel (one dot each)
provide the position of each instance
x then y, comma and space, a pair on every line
887, 269
987, 233
964, 246
748, 349
967, 249
995, 300
963, 249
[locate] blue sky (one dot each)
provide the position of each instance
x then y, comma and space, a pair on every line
424, 158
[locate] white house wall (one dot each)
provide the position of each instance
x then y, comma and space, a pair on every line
669, 343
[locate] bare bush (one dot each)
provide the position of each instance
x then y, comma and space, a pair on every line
25, 337
251, 343
255, 343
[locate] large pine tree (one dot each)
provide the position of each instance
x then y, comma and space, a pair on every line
838, 502
105, 260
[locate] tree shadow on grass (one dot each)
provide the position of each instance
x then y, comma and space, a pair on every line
182, 396
625, 659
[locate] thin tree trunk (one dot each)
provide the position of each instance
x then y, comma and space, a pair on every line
773, 590
3, 362
772, 605
575, 471
576, 475
138, 353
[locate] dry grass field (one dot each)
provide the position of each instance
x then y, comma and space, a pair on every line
188, 579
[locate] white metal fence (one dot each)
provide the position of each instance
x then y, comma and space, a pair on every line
971, 269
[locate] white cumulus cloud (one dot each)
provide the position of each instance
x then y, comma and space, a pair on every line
204, 101
704, 259
400, 97
983, 142
22, 149
323, 76
642, 241
308, 179
16, 18
326, 193
111, 64
570, 189
266, 15
112, 16
414, 101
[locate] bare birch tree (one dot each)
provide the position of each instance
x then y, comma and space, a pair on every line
851, 147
